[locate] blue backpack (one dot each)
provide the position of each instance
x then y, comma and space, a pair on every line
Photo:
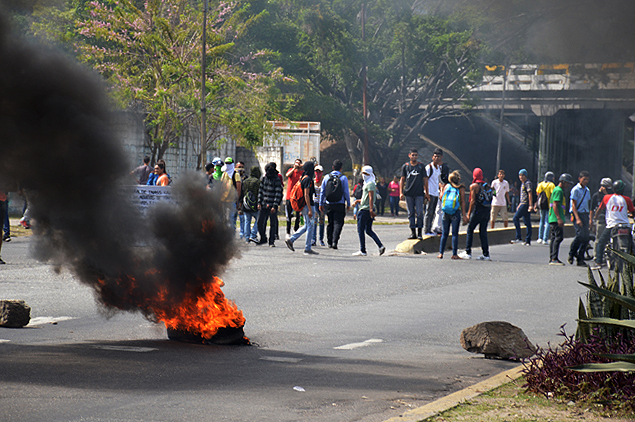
450, 200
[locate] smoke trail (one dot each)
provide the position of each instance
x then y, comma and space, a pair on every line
57, 142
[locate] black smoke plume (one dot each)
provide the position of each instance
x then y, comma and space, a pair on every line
58, 144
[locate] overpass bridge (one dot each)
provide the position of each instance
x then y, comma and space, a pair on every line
582, 110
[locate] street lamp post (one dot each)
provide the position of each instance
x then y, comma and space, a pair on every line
632, 119
203, 74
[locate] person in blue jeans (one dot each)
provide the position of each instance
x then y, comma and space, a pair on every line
478, 213
308, 186
524, 209
453, 220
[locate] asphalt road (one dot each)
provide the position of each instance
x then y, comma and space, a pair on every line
336, 337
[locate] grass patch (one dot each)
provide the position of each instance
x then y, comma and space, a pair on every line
511, 402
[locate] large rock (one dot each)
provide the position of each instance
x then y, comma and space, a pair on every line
14, 313
497, 339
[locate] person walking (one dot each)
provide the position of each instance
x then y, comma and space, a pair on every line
437, 174
543, 192
580, 210
478, 213
293, 175
366, 213
556, 217
308, 187
598, 218
524, 209
269, 200
453, 208
318, 220
393, 196
335, 201
249, 205
413, 188
501, 199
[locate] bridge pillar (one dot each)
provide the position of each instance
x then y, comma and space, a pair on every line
546, 144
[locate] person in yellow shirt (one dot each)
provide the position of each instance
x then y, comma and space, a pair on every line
231, 183
543, 191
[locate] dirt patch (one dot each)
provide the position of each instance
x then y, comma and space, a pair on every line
510, 403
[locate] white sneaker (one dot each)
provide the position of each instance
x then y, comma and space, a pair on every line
484, 258
360, 253
539, 241
465, 255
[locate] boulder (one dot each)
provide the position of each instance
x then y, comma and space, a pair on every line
497, 339
14, 313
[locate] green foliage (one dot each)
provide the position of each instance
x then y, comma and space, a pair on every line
610, 311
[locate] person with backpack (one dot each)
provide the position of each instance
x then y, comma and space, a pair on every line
543, 190
481, 195
302, 201
293, 175
318, 220
269, 199
453, 208
250, 188
437, 173
580, 207
335, 201
366, 214
598, 217
524, 209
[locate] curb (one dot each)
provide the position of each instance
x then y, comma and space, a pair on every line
454, 399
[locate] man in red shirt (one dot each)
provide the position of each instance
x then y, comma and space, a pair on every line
618, 208
293, 175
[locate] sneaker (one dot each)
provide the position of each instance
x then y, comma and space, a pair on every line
596, 266
334, 246
2, 262
310, 252
556, 262
570, 260
430, 234
516, 241
322, 243
582, 264
526, 244
272, 246
539, 241
360, 253
289, 244
382, 249
313, 244
484, 258
465, 255
7, 238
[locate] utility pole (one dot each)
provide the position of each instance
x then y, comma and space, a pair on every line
203, 75
500, 123
366, 151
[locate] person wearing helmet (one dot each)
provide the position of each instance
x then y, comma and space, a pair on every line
556, 217
597, 216
618, 208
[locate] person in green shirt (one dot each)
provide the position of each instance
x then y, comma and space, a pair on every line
366, 213
556, 217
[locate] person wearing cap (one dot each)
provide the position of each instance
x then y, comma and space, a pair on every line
366, 213
318, 218
617, 209
598, 216
580, 211
556, 217
524, 209
545, 187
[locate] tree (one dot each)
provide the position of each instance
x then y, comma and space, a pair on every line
150, 52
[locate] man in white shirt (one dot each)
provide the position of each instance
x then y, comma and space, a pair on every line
501, 199
437, 173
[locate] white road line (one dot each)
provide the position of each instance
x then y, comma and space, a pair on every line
127, 348
4, 341
352, 346
281, 359
47, 320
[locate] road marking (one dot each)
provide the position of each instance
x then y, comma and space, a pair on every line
127, 348
4, 341
281, 359
47, 320
352, 346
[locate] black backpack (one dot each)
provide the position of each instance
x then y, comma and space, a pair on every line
485, 195
250, 201
333, 189
543, 201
